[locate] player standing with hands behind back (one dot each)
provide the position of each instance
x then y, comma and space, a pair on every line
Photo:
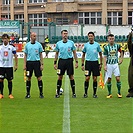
6, 64
64, 49
33, 61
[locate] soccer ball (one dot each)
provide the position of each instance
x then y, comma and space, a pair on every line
61, 91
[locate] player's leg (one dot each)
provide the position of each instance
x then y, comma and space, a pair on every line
88, 68
29, 71
2, 73
95, 72
118, 82
38, 74
94, 86
86, 86
72, 83
9, 77
70, 72
109, 85
60, 72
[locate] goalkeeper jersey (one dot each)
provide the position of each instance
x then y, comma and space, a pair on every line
111, 52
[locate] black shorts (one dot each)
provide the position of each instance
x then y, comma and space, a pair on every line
6, 72
65, 65
92, 66
33, 65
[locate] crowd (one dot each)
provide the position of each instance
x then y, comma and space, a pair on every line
65, 54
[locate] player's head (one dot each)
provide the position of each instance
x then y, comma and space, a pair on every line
91, 36
111, 38
33, 37
64, 34
5, 38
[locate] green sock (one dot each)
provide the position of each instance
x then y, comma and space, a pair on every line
109, 87
118, 87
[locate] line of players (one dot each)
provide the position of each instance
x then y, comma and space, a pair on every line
65, 51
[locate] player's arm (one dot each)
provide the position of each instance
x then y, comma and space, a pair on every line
105, 53
41, 61
82, 60
16, 62
121, 56
104, 62
41, 58
25, 60
55, 60
76, 58
101, 58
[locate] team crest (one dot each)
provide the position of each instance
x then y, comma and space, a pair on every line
36, 51
5, 53
69, 49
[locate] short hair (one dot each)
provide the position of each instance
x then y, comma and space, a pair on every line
91, 33
5, 35
111, 35
64, 31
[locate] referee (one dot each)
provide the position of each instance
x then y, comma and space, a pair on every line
33, 61
91, 50
65, 50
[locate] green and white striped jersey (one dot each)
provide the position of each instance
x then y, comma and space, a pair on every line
111, 52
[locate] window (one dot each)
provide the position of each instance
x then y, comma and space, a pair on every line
115, 18
61, 21
90, 18
63, 0
6, 2
19, 1
130, 18
4, 17
38, 19
37, 1
19, 17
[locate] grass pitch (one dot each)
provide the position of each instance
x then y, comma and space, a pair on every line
35, 115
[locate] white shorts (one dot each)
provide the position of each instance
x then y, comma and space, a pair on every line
112, 69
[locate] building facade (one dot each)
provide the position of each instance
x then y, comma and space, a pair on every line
66, 12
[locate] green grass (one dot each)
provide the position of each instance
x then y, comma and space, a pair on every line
34, 115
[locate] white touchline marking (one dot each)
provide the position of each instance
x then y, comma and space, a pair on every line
66, 111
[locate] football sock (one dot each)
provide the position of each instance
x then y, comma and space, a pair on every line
40, 86
28, 85
86, 85
94, 87
109, 87
119, 87
59, 83
10, 87
72, 82
1, 87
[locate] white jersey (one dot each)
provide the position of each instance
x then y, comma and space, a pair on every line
6, 55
